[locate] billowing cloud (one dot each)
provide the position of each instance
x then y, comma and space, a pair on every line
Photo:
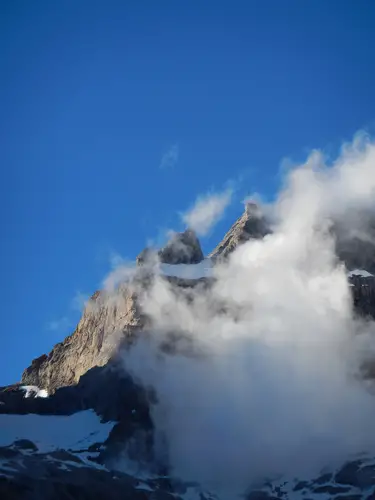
265, 377
207, 211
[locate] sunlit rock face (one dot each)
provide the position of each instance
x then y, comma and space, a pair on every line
251, 225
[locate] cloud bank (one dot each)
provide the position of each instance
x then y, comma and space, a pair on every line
265, 378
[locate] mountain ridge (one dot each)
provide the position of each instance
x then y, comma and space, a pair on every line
86, 373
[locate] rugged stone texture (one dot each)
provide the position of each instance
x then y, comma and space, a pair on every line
108, 390
182, 248
111, 394
363, 291
104, 321
251, 224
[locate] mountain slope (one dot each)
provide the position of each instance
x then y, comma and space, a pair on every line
93, 436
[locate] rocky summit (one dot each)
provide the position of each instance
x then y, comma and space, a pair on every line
79, 426
251, 225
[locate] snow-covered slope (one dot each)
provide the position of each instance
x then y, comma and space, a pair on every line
52, 432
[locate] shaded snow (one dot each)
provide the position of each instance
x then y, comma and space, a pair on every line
191, 494
49, 433
188, 271
144, 487
360, 272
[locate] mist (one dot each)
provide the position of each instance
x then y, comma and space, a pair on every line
267, 379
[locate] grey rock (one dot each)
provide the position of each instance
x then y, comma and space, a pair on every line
147, 256
251, 225
182, 248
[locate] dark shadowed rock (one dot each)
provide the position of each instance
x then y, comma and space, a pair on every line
363, 292
357, 475
182, 248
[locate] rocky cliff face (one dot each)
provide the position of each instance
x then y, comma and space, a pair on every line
251, 224
107, 321
102, 321
112, 412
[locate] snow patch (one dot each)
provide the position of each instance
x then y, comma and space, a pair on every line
144, 487
360, 272
49, 433
188, 271
32, 391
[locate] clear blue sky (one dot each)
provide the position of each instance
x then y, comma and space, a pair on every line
93, 93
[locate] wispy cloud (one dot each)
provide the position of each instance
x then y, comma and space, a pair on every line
59, 325
207, 211
66, 322
121, 270
79, 301
170, 157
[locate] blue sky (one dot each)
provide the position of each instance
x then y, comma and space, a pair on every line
116, 115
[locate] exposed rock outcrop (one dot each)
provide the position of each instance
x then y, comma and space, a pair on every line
251, 224
363, 291
147, 256
182, 248
92, 342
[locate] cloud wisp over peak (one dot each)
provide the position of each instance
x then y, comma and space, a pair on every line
207, 211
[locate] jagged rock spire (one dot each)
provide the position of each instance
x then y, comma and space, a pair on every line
182, 248
251, 224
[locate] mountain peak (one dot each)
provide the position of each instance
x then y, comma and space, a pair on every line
182, 248
251, 224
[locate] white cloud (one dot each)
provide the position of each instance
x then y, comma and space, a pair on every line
122, 270
79, 301
207, 211
170, 157
267, 366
